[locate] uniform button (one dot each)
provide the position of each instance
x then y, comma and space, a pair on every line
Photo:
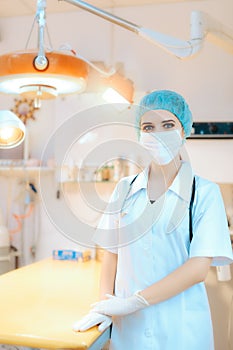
148, 332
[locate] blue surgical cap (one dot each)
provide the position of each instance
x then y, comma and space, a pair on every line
169, 101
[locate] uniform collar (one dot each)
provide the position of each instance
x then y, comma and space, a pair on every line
140, 182
181, 185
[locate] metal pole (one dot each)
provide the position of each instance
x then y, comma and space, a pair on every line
41, 62
106, 15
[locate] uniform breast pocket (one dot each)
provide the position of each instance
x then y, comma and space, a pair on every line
179, 236
126, 229
132, 227
145, 243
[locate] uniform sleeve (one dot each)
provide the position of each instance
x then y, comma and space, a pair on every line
211, 237
106, 234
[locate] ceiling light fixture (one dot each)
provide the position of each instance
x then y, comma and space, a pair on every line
114, 87
118, 89
12, 130
202, 26
40, 74
112, 96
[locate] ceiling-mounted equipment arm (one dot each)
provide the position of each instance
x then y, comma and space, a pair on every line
201, 24
172, 45
106, 15
217, 32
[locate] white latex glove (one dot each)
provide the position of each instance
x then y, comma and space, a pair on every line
115, 306
92, 319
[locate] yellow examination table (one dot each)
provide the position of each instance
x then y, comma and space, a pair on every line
40, 302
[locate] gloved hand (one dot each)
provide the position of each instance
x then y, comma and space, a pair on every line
92, 319
115, 306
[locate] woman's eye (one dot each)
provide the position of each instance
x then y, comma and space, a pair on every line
147, 128
168, 125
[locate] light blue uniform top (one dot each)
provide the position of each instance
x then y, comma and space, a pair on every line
151, 241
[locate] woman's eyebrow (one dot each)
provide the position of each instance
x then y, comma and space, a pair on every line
168, 121
146, 123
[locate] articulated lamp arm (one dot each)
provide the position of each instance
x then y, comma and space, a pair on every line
201, 25
217, 32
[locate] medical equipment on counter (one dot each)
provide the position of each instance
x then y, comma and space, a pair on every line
26, 201
72, 255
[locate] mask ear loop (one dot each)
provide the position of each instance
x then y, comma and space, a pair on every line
183, 143
182, 135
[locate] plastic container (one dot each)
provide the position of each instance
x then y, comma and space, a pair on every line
72, 255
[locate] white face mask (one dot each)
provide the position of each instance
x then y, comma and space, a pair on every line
163, 146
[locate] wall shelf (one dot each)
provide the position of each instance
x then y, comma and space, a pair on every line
22, 171
87, 181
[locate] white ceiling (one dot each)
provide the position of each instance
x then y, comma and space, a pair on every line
11, 8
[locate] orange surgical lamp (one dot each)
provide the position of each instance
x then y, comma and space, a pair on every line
40, 74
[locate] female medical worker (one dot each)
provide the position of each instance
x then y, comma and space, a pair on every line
152, 288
